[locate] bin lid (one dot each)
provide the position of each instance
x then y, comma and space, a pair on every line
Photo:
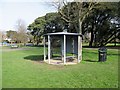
102, 49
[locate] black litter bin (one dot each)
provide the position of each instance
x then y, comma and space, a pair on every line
102, 54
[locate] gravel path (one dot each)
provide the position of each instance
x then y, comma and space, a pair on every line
13, 49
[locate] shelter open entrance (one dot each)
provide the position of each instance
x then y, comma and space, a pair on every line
63, 48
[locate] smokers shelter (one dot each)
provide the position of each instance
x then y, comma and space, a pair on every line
63, 48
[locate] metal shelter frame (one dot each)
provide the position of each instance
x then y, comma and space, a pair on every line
64, 35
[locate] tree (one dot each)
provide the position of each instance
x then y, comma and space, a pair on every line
37, 28
12, 35
83, 18
51, 22
30, 37
21, 31
98, 23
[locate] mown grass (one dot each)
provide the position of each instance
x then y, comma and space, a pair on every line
24, 69
0, 67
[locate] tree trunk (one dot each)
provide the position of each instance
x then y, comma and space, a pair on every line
92, 37
37, 42
80, 39
115, 39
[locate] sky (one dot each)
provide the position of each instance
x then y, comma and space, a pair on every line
28, 11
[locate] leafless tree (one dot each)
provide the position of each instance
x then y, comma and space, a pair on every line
21, 31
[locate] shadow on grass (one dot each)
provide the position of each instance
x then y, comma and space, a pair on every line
113, 54
36, 45
35, 57
97, 53
90, 60
86, 52
108, 47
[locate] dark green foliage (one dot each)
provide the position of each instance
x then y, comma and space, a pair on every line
37, 28
98, 23
95, 21
12, 35
53, 23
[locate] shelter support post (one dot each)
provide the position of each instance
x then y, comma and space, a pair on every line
79, 49
49, 49
44, 49
64, 49
73, 47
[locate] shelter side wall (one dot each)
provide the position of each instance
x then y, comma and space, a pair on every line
75, 45
69, 47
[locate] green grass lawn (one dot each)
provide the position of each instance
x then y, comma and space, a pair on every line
0, 67
23, 69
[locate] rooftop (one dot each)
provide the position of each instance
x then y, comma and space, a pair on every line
63, 33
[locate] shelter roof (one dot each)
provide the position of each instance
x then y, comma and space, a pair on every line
64, 33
